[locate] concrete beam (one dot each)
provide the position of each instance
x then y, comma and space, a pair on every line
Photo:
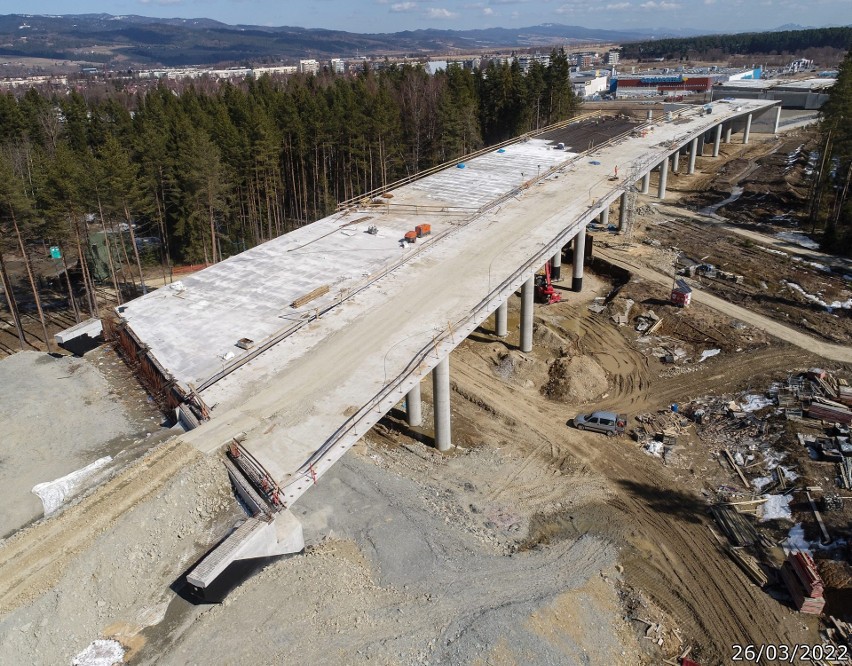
501, 319
556, 266
527, 305
579, 257
747, 130
646, 183
728, 131
622, 212
413, 407
441, 404
676, 160
717, 140
693, 152
664, 175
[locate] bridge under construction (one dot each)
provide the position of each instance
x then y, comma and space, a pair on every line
287, 354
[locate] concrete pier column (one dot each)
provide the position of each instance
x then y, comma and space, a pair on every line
650, 114
413, 411
556, 266
579, 257
728, 131
622, 212
700, 147
717, 140
676, 160
646, 183
604, 223
527, 304
501, 319
664, 175
777, 119
693, 151
441, 404
747, 130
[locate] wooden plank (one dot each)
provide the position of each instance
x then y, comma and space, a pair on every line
826, 537
310, 296
736, 468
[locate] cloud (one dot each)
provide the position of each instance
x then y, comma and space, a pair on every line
487, 11
403, 7
651, 4
160, 2
440, 13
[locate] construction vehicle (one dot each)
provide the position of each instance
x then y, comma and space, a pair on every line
423, 230
544, 291
410, 236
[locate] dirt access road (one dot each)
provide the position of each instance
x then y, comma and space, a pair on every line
841, 353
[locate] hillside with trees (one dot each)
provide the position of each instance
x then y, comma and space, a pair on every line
790, 42
831, 205
212, 172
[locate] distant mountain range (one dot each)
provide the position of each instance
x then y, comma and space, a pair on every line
125, 41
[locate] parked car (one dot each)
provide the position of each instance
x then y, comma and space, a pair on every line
606, 422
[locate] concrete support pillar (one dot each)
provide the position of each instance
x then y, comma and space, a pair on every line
579, 257
441, 404
622, 212
693, 151
556, 266
717, 140
604, 223
747, 130
501, 319
413, 411
664, 175
676, 160
650, 114
646, 183
527, 305
777, 119
728, 131
700, 148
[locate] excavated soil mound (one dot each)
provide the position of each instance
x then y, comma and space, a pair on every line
578, 379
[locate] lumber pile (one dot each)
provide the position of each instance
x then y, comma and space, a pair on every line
839, 632
828, 410
749, 565
736, 526
310, 296
804, 583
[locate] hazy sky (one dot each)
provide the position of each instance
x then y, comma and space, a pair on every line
393, 15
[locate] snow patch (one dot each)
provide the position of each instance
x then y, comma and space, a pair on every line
798, 239
754, 403
709, 353
776, 507
796, 539
100, 653
834, 305
654, 449
53, 493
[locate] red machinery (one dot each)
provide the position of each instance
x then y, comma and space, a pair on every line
544, 291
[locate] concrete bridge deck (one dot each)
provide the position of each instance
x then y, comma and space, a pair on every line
335, 366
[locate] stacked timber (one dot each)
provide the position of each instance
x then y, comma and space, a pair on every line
736, 526
828, 410
803, 582
844, 472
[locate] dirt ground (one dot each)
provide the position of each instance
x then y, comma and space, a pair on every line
40, 442
530, 542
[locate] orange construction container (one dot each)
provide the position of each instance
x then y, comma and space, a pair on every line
410, 236
423, 230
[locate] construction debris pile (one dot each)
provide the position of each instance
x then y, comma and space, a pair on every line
755, 437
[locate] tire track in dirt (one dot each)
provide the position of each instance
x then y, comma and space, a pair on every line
668, 551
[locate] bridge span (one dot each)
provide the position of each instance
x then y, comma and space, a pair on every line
287, 354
